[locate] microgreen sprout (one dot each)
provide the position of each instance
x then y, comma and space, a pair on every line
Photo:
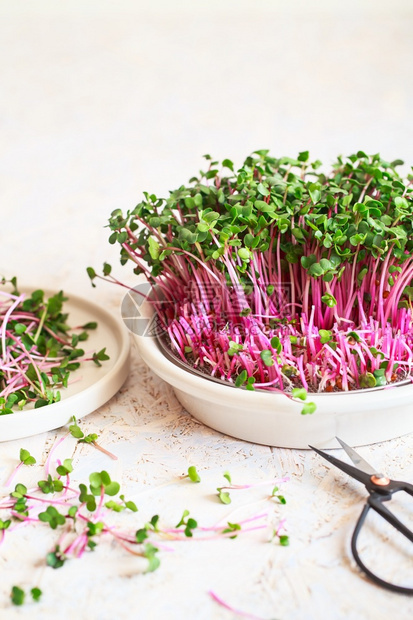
280, 536
55, 558
193, 474
66, 468
150, 553
279, 276
227, 476
50, 485
17, 595
232, 527
224, 496
25, 459
119, 507
52, 516
280, 498
36, 594
100, 356
78, 434
188, 523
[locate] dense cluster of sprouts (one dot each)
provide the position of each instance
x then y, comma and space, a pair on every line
279, 276
38, 349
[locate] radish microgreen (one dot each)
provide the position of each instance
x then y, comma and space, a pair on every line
193, 474
280, 276
82, 519
38, 349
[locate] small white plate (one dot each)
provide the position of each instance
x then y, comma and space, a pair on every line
90, 386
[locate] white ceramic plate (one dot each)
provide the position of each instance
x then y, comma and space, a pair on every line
360, 417
92, 385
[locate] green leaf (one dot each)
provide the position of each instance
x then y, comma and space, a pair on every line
315, 270
4, 524
244, 254
227, 476
315, 193
131, 506
380, 378
105, 478
75, 430
183, 518
154, 248
276, 344
90, 325
20, 490
66, 468
300, 393
26, 458
262, 189
17, 595
298, 234
55, 559
112, 488
20, 328
95, 480
193, 474
141, 535
329, 300
115, 506
224, 496
325, 335
100, 356
307, 261
241, 379
367, 380
72, 511
227, 163
36, 594
153, 560
91, 273
266, 357
308, 408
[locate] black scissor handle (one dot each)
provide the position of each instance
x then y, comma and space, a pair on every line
404, 486
377, 505
376, 502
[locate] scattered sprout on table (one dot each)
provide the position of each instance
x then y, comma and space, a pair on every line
193, 474
82, 516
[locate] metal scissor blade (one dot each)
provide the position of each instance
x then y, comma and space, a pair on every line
356, 473
357, 459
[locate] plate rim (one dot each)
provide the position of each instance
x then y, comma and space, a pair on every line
116, 375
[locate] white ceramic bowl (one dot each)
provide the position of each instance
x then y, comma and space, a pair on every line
360, 417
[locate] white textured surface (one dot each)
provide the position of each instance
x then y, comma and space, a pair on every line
101, 100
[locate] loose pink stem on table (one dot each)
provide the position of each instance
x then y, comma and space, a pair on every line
238, 612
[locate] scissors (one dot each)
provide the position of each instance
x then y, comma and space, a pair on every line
380, 489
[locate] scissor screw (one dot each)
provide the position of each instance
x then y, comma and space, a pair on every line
380, 479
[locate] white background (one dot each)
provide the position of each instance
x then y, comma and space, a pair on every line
101, 100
